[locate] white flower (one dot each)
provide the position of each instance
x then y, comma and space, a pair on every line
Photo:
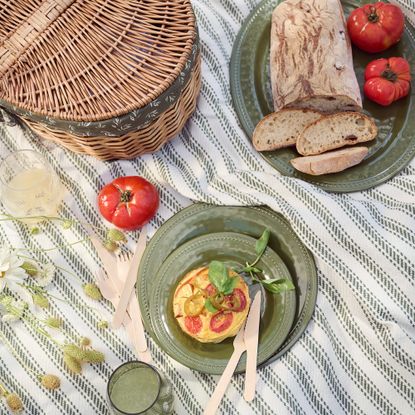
45, 277
11, 272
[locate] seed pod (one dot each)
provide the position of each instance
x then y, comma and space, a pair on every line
110, 246
74, 365
92, 291
75, 351
30, 268
40, 300
116, 235
14, 402
50, 382
84, 341
94, 356
102, 324
53, 322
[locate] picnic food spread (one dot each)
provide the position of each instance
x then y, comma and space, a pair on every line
202, 322
316, 95
225, 288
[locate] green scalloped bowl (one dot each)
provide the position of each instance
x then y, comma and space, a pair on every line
278, 310
203, 219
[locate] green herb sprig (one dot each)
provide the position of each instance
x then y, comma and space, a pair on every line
225, 283
275, 285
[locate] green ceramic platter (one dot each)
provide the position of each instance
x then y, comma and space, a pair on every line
390, 152
233, 249
202, 219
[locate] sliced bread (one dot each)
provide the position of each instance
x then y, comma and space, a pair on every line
335, 131
331, 162
282, 128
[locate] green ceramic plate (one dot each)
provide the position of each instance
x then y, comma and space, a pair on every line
233, 249
202, 219
392, 150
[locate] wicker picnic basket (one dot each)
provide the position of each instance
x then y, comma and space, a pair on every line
113, 79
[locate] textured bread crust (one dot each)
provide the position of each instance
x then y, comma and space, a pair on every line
311, 61
281, 129
326, 104
331, 162
335, 131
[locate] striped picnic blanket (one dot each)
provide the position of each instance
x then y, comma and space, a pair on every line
357, 355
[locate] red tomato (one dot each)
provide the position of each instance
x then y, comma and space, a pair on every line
375, 27
221, 321
128, 202
210, 290
230, 300
193, 324
387, 80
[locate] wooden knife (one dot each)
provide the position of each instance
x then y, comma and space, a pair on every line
251, 343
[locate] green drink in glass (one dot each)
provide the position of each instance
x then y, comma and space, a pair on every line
138, 388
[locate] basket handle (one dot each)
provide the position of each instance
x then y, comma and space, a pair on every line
26, 34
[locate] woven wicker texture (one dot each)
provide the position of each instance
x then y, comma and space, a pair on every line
133, 144
90, 60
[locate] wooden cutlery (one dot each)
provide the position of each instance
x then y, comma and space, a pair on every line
123, 265
129, 283
110, 293
245, 340
117, 269
239, 347
251, 343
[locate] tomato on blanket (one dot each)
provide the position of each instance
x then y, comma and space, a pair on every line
375, 27
387, 80
128, 202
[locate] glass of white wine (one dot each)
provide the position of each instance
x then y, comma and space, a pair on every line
29, 186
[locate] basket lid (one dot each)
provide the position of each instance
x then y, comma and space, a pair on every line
91, 60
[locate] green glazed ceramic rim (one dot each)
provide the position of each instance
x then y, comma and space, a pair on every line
283, 241
388, 154
211, 358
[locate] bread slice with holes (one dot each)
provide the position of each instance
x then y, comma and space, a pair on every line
282, 128
335, 131
331, 162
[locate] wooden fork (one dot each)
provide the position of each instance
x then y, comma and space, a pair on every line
123, 265
239, 348
109, 293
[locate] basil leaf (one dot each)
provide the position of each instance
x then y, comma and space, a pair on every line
209, 306
230, 285
277, 286
262, 242
218, 275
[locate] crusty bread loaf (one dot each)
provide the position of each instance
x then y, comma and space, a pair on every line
311, 60
331, 162
335, 131
282, 128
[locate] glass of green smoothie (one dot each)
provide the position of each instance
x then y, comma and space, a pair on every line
138, 388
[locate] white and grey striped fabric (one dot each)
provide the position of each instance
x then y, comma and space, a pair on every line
357, 355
